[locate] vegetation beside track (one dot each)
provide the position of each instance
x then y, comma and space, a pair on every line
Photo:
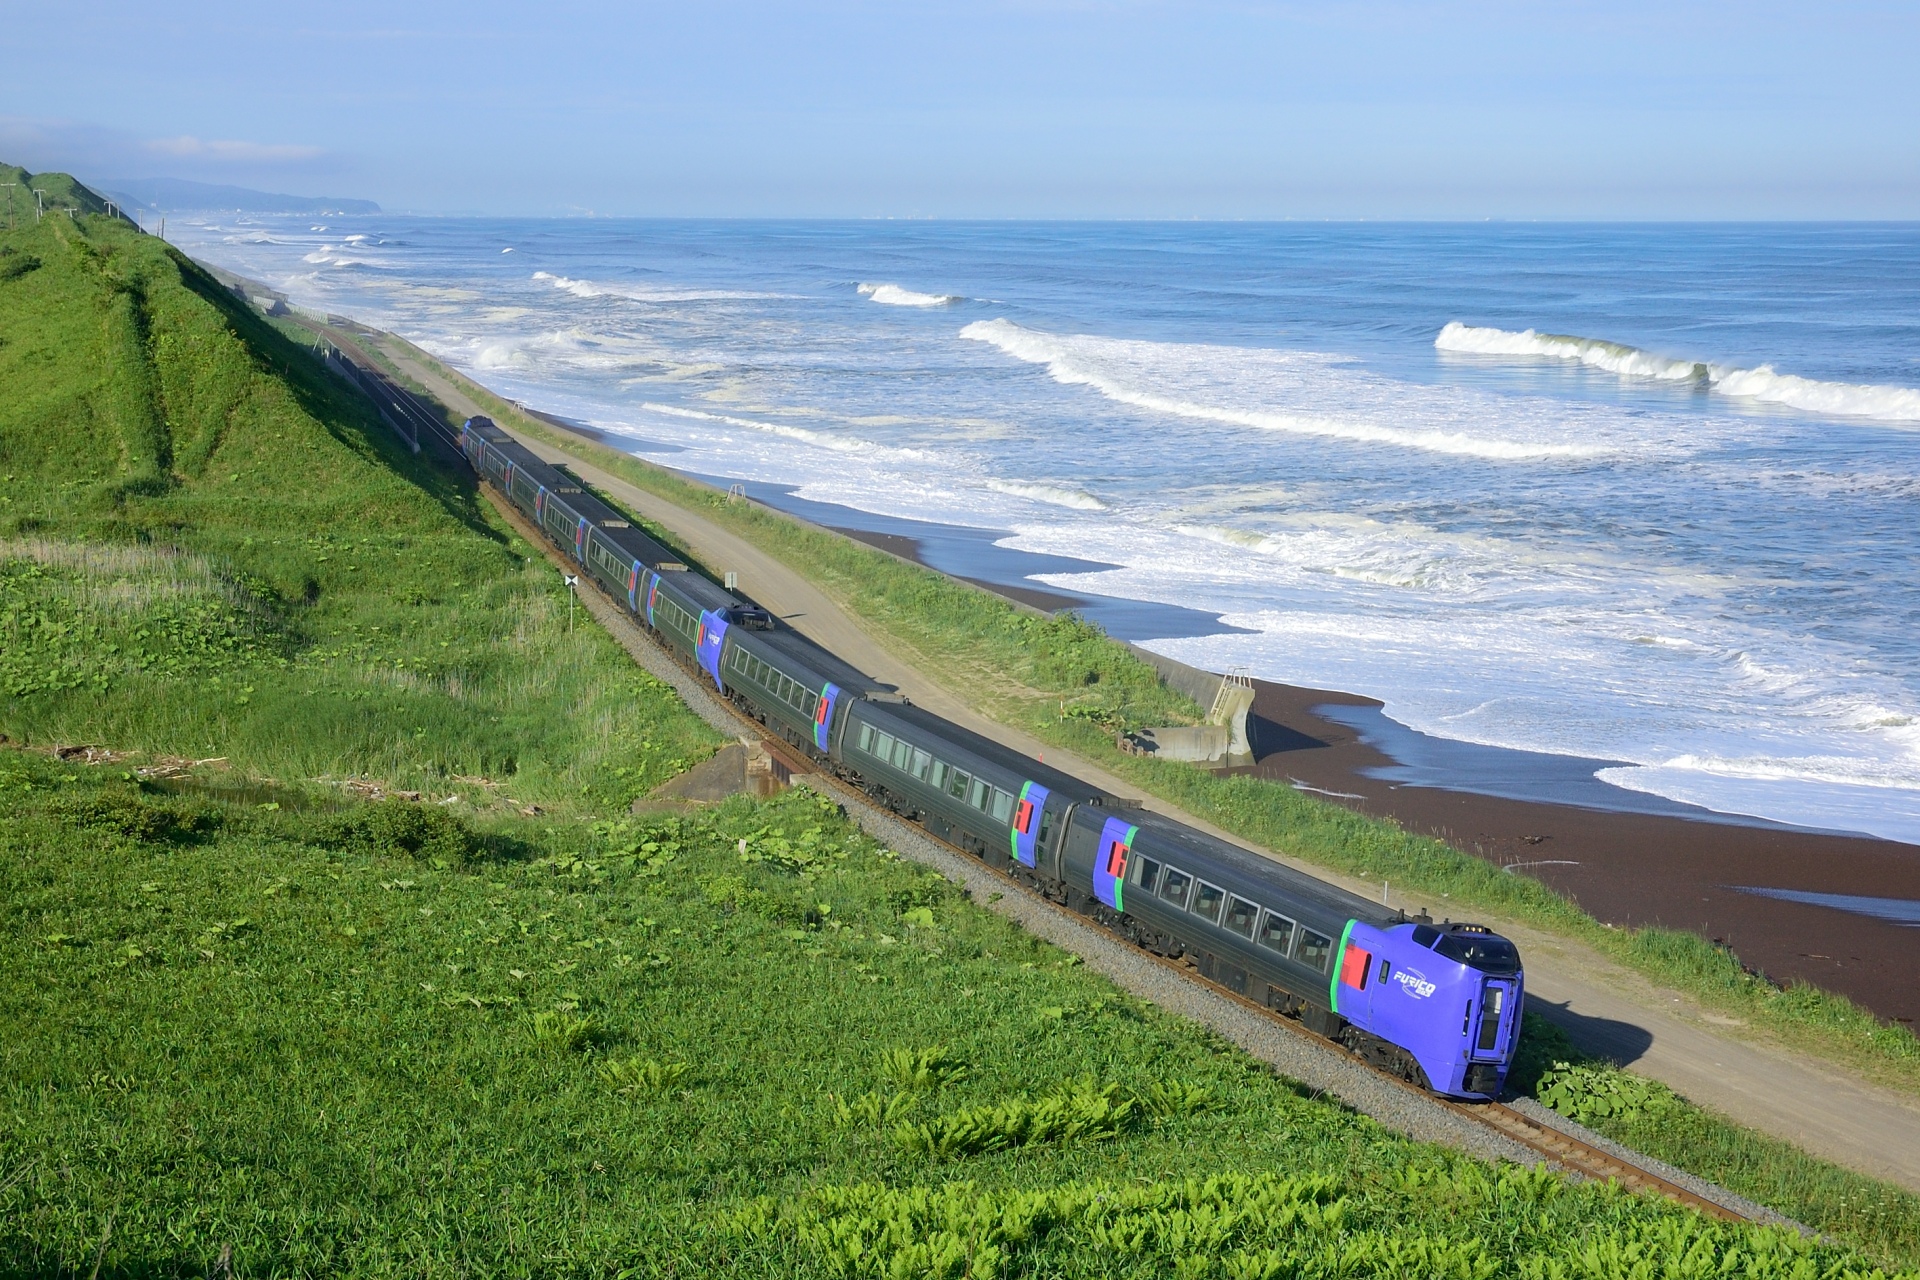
321, 1037
1067, 684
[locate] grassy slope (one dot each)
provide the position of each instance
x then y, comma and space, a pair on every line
300, 595
377, 1040
1022, 670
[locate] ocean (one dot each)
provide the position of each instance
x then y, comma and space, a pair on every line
1641, 494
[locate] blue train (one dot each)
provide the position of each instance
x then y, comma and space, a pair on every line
1437, 1004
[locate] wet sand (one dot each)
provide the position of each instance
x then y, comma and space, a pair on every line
1624, 868
1635, 868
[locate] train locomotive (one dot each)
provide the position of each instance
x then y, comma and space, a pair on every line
1436, 1004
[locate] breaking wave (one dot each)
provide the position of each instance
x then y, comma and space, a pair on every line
1887, 404
1145, 375
1054, 495
819, 439
895, 296
641, 293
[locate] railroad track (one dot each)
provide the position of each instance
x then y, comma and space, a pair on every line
1559, 1149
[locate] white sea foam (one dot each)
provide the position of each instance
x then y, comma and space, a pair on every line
818, 439
1054, 495
1213, 384
895, 296
644, 293
1889, 404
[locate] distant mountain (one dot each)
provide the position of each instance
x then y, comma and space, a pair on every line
178, 193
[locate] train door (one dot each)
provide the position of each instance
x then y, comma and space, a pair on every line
633, 587
713, 635
1027, 817
580, 540
1110, 862
1493, 1021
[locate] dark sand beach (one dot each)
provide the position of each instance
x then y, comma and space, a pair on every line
1673, 865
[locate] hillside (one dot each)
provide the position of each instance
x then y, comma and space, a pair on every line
254, 1022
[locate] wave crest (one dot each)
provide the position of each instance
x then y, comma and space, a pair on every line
1887, 404
894, 295
1054, 495
641, 293
1114, 368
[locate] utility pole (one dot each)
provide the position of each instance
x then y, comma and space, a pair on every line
39, 204
9, 188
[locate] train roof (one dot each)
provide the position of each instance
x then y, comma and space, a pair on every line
787, 643
932, 726
1238, 863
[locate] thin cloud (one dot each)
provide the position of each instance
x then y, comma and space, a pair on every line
186, 146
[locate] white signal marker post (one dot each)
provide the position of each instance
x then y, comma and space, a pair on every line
573, 584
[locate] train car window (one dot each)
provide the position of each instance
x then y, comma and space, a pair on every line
1315, 950
1486, 952
1276, 932
958, 787
1207, 900
1241, 915
921, 763
1386, 970
1425, 935
978, 793
883, 746
1146, 874
1174, 887
1043, 840
1002, 806
902, 754
938, 776
866, 737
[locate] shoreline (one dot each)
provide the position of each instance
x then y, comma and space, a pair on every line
1670, 864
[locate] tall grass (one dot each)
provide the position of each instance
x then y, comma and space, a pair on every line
217, 550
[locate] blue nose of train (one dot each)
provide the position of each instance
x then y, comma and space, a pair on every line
1449, 995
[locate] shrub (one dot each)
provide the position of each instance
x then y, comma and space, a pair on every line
134, 817
1592, 1093
392, 828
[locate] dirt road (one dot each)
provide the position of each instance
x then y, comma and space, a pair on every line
1605, 1008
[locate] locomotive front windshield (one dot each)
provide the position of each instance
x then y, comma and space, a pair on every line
1486, 952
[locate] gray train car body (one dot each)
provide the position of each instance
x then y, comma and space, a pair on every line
1006, 808
1257, 927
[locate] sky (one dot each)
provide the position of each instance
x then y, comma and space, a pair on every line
1017, 109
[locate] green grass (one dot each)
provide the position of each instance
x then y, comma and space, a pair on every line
341, 1039
1070, 686
208, 547
1647, 1116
